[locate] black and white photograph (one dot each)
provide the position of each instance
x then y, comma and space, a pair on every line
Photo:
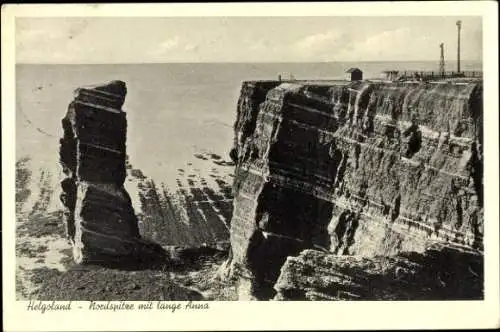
233, 158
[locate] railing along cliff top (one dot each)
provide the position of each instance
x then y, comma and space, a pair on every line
438, 74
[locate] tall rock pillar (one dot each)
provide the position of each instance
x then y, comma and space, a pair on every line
99, 217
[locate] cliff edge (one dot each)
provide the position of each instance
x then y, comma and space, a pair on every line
365, 169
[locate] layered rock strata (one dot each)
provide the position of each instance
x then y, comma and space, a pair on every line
99, 218
439, 273
353, 168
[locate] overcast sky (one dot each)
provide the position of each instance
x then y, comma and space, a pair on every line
244, 39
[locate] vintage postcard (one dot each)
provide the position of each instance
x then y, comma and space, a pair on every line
250, 166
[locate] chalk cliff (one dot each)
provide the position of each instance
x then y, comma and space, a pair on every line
99, 218
366, 169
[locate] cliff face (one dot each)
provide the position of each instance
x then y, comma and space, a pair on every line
440, 272
355, 168
99, 218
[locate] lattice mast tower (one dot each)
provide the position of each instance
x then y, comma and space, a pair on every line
441, 60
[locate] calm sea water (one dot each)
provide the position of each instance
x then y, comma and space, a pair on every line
173, 110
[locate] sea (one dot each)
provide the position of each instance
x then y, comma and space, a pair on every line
174, 110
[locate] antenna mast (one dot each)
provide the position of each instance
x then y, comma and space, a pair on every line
459, 26
441, 60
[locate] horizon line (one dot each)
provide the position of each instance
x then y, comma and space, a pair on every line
233, 62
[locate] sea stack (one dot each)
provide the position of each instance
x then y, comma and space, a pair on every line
100, 220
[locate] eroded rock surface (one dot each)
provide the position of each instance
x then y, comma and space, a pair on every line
99, 218
439, 273
353, 168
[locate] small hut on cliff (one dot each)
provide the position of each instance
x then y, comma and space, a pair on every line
354, 74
